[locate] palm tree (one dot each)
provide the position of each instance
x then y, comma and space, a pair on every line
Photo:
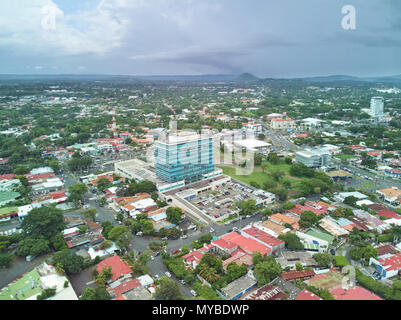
395, 232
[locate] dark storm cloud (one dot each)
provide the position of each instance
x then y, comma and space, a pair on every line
266, 37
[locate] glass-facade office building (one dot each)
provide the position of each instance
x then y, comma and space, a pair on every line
184, 157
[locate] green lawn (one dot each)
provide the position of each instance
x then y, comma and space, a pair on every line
25, 287
261, 177
343, 156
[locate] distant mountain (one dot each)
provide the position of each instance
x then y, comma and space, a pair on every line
247, 77
199, 78
342, 78
332, 78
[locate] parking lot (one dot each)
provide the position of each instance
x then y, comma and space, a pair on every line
217, 204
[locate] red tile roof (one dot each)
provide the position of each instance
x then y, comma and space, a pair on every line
263, 237
292, 275
193, 256
307, 295
391, 263
57, 194
118, 267
388, 214
126, 286
248, 245
356, 293
9, 176
267, 292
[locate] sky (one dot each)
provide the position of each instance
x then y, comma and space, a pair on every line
268, 38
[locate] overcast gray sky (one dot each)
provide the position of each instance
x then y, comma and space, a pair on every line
269, 38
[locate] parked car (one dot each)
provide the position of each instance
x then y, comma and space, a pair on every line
193, 293
157, 276
164, 239
182, 281
168, 274
157, 254
176, 251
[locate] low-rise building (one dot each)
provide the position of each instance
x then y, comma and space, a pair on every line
291, 258
235, 289
267, 292
313, 157
280, 124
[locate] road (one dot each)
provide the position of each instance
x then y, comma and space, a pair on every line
378, 182
280, 141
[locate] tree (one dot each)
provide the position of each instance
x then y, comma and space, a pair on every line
46, 293
76, 193
20, 170
248, 206
103, 184
351, 201
6, 259
174, 215
89, 294
257, 258
45, 222
323, 259
33, 246
273, 158
281, 193
90, 214
142, 186
266, 271
69, 261
235, 271
292, 241
258, 159
212, 261
308, 219
106, 244
369, 252
55, 165
168, 290
299, 266
277, 174
59, 243
121, 236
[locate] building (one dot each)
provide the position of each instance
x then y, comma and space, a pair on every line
239, 257
7, 197
119, 268
235, 289
333, 228
31, 284
264, 238
313, 158
233, 241
282, 124
140, 170
387, 267
343, 195
253, 145
376, 106
253, 128
296, 275
184, 156
291, 258
307, 295
267, 292
284, 220
355, 293
390, 195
